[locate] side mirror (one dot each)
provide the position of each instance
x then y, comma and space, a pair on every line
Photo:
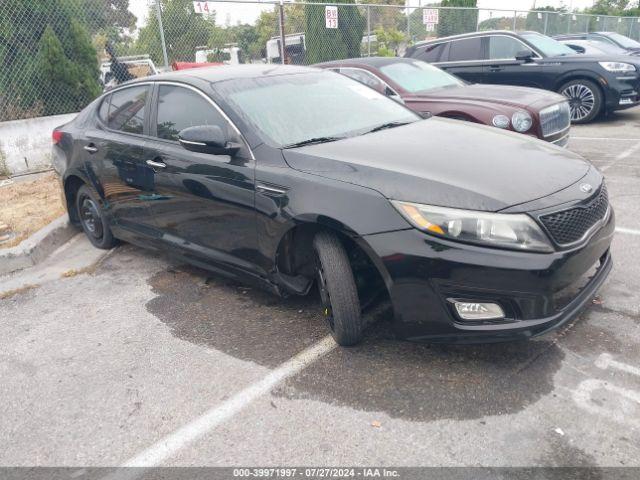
393, 95
576, 48
207, 139
524, 56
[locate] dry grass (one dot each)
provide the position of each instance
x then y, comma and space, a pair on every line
28, 206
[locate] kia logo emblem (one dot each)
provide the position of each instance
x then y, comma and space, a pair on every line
586, 188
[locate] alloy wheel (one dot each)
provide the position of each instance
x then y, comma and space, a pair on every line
581, 101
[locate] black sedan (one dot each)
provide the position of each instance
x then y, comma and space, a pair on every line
288, 177
593, 84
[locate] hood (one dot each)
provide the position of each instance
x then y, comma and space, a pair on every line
447, 163
517, 97
582, 58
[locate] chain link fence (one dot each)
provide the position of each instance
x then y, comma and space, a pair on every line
56, 55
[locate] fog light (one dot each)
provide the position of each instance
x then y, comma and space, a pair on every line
478, 311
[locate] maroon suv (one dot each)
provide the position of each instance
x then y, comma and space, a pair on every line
429, 90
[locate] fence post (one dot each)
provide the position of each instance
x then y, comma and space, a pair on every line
161, 28
588, 24
408, 25
569, 22
515, 20
368, 31
281, 21
546, 22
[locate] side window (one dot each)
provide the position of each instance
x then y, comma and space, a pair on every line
127, 109
103, 111
467, 49
367, 78
431, 53
180, 108
501, 47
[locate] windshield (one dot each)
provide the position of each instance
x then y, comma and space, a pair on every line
419, 76
547, 45
626, 42
604, 47
288, 109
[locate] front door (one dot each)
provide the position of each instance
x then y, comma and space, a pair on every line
502, 68
202, 203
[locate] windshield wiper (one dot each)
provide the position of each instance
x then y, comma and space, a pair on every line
384, 126
312, 141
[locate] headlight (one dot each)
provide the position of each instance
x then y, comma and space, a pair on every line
521, 121
501, 121
618, 67
513, 231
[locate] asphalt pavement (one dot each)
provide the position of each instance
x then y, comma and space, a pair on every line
128, 358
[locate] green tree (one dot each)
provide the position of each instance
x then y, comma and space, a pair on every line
454, 22
47, 62
389, 41
57, 69
184, 31
109, 17
325, 44
615, 7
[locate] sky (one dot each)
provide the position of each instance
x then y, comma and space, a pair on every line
248, 12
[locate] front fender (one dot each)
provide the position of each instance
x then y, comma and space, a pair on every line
311, 199
580, 73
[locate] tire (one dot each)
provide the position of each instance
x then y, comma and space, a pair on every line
92, 219
338, 292
585, 99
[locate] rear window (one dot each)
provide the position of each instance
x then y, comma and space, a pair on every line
431, 53
467, 49
127, 109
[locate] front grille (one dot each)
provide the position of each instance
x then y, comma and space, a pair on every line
555, 118
569, 226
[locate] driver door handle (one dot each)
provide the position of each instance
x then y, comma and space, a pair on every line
154, 164
91, 148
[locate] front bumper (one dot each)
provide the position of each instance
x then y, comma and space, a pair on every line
622, 92
538, 292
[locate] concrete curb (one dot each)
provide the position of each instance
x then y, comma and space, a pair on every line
37, 247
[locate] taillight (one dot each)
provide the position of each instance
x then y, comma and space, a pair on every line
56, 136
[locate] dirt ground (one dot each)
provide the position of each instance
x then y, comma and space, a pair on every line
27, 206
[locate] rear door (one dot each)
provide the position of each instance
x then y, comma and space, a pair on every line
502, 68
115, 159
202, 203
464, 58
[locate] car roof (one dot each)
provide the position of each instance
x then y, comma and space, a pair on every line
225, 72
370, 61
483, 33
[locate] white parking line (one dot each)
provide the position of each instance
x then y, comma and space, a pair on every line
605, 361
583, 396
630, 231
174, 442
627, 153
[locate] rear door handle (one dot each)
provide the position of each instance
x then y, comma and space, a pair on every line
495, 69
91, 148
154, 164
